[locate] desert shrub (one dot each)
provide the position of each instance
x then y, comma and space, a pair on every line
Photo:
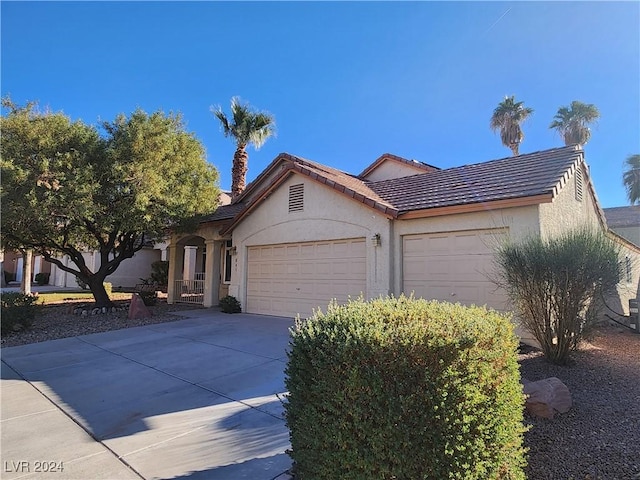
557, 285
399, 388
160, 272
149, 297
230, 304
42, 278
18, 311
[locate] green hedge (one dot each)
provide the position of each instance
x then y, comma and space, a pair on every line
400, 388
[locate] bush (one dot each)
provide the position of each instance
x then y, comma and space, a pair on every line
42, 278
18, 311
160, 272
557, 285
230, 304
407, 389
149, 298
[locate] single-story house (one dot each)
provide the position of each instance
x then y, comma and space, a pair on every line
625, 221
303, 233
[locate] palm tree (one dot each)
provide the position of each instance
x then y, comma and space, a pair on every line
572, 122
631, 178
507, 118
246, 126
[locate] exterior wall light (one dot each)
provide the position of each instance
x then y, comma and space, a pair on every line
375, 240
233, 250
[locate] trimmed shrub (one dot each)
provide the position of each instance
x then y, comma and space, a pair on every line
149, 298
160, 272
230, 304
400, 388
18, 311
558, 284
42, 278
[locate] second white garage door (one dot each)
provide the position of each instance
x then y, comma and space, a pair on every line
453, 267
294, 278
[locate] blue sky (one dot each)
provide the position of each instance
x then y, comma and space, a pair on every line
345, 81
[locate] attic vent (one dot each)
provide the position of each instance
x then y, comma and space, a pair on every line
579, 183
296, 198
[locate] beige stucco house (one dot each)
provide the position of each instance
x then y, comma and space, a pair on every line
303, 233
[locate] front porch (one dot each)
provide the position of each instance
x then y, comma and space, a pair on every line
199, 270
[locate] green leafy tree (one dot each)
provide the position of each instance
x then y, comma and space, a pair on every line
507, 118
631, 178
68, 188
247, 127
572, 122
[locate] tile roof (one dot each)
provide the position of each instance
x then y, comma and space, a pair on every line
623, 216
224, 212
389, 156
526, 175
341, 181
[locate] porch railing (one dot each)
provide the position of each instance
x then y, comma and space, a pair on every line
190, 291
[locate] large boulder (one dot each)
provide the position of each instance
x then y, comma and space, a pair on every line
546, 397
138, 309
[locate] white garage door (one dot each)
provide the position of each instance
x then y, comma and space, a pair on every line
453, 266
294, 278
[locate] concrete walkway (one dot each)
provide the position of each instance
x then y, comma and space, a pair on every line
197, 398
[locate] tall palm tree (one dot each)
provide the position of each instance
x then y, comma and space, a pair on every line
507, 118
631, 178
572, 122
247, 127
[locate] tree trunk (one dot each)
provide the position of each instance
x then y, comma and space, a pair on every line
239, 171
99, 292
25, 285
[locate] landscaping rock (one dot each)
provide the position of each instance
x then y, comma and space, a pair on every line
138, 309
546, 397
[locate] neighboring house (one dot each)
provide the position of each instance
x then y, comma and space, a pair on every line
13, 262
127, 275
625, 221
303, 233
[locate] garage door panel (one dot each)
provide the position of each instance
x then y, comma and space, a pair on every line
307, 276
453, 266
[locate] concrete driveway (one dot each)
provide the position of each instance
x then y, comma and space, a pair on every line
196, 398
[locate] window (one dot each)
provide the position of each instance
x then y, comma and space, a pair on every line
296, 198
579, 183
226, 273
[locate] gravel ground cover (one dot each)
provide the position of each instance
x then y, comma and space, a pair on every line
599, 438
58, 321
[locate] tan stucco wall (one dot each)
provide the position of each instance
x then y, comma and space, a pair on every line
626, 290
327, 215
566, 212
392, 169
133, 269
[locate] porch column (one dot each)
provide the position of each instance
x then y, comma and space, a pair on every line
190, 254
176, 265
211, 273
